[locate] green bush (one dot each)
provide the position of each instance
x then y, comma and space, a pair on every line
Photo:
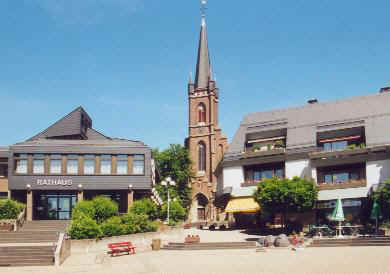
137, 223
10, 209
84, 227
84, 208
112, 227
176, 212
145, 206
104, 208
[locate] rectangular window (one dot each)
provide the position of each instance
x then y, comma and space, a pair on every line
138, 164
267, 174
21, 166
105, 164
89, 164
122, 165
72, 164
39, 164
55, 166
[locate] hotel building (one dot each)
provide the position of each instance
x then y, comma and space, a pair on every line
344, 146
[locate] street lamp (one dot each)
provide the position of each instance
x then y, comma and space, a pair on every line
167, 182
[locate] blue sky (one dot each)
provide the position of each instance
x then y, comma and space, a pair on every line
127, 61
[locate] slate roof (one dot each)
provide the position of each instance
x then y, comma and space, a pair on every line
303, 123
61, 135
68, 125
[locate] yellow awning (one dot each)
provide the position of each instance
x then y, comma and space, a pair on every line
242, 205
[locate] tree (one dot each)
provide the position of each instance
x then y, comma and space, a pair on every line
283, 195
174, 162
382, 196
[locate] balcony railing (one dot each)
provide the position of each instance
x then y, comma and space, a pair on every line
320, 152
249, 183
260, 153
342, 185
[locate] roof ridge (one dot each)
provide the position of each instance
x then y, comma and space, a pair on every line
336, 101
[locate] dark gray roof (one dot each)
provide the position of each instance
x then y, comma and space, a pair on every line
68, 125
303, 123
203, 67
93, 134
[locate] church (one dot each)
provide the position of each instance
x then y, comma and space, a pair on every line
205, 143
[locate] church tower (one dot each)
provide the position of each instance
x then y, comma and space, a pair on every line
205, 142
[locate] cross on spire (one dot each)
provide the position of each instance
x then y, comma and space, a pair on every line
203, 7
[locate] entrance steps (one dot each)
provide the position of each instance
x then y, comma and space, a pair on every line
210, 246
47, 226
360, 241
33, 244
26, 255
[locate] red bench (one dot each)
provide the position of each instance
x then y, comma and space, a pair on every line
117, 248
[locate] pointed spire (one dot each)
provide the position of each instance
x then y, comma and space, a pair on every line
203, 66
190, 78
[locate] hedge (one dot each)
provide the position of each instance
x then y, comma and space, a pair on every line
10, 209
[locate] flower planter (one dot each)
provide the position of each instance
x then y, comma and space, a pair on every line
6, 227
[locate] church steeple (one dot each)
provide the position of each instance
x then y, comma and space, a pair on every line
203, 66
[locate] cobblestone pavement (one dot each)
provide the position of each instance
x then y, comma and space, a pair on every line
332, 260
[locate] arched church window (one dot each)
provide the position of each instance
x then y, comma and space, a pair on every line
201, 113
201, 156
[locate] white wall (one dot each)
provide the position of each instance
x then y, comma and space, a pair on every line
377, 172
314, 174
233, 176
298, 168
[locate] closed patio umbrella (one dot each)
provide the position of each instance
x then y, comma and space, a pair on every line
338, 215
376, 214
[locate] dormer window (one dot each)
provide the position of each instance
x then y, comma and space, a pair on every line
341, 139
201, 113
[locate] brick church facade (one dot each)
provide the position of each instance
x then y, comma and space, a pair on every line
206, 143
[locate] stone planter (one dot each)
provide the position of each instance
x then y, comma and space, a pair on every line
269, 241
282, 241
6, 227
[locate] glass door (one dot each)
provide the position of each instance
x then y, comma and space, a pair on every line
64, 208
52, 207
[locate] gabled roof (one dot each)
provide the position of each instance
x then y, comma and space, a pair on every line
71, 124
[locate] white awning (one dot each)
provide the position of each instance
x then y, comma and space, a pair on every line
266, 139
348, 193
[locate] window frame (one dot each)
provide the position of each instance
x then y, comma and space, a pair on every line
21, 157
38, 158
135, 160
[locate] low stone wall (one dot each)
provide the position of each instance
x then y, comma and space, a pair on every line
141, 241
63, 250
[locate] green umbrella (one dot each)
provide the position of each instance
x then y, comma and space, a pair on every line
338, 213
376, 211
376, 214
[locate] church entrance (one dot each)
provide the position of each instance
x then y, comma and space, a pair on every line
200, 205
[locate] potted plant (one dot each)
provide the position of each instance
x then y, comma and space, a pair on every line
279, 144
256, 148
